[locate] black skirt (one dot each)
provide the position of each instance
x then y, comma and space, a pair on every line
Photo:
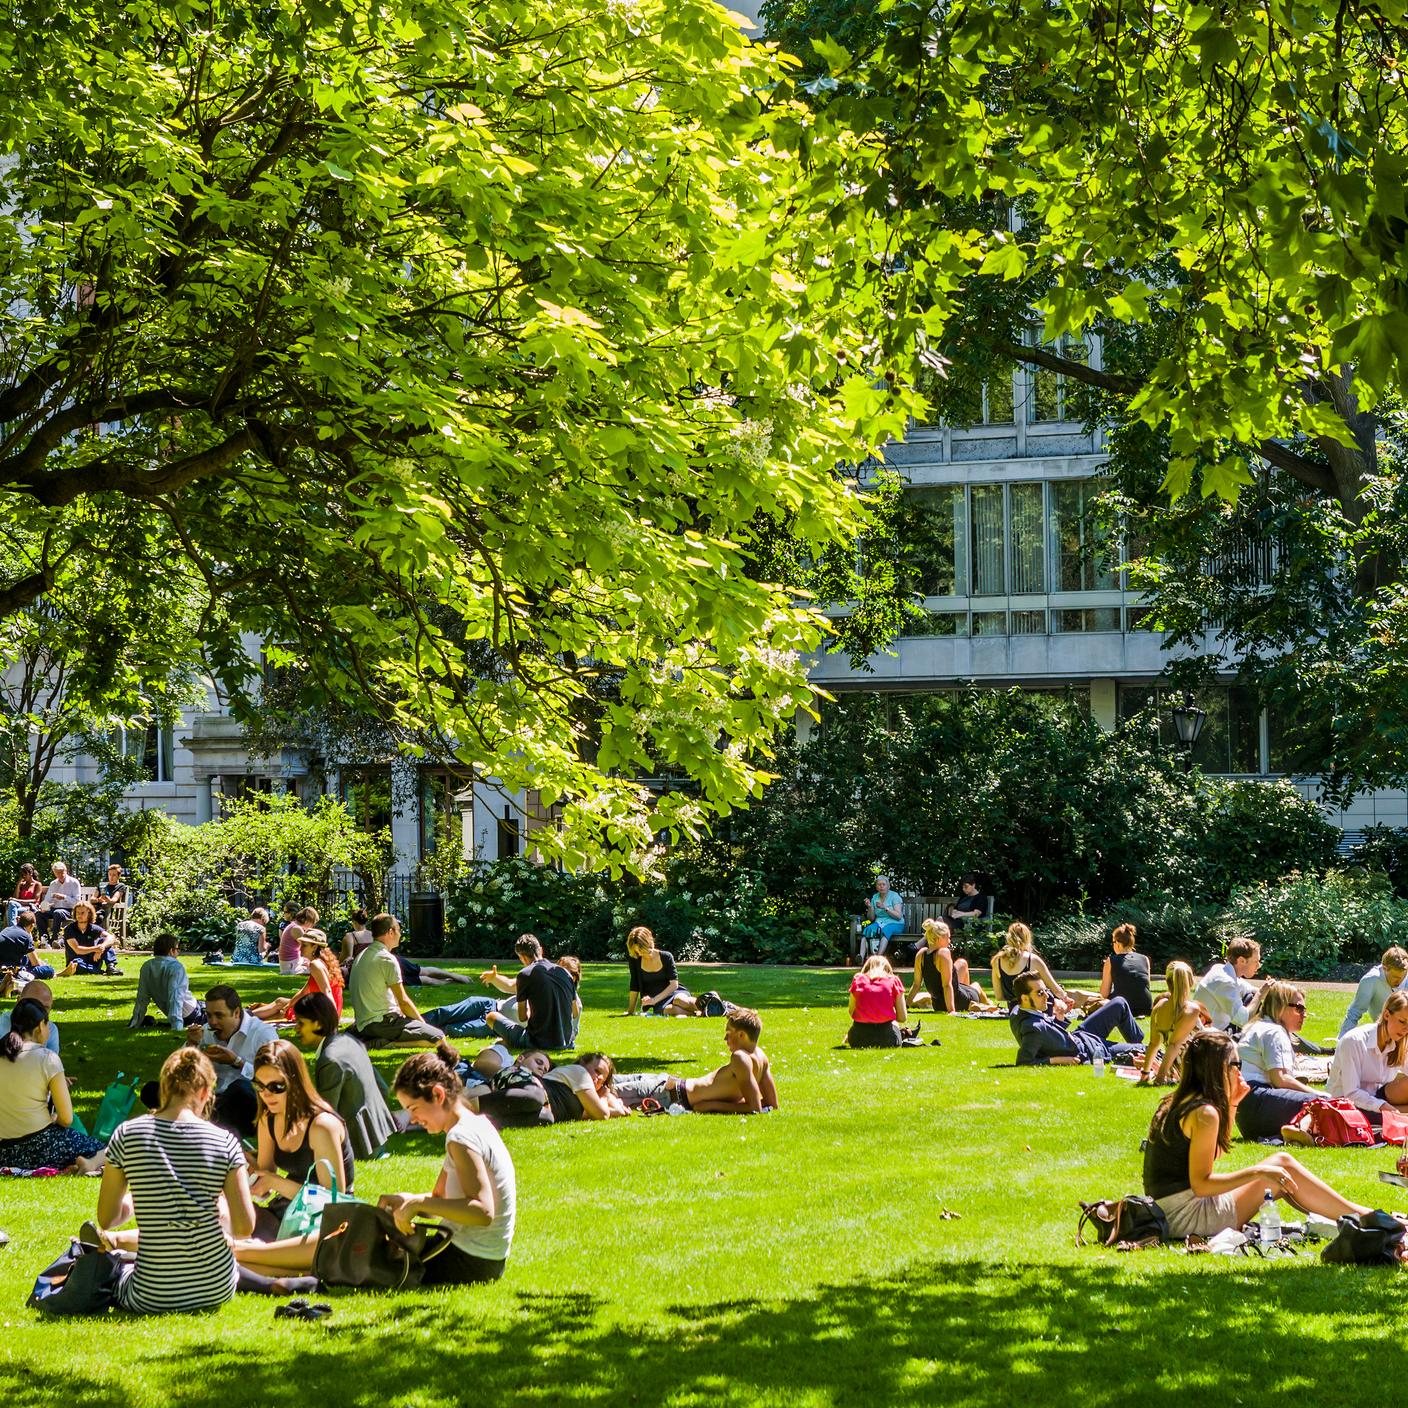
873, 1034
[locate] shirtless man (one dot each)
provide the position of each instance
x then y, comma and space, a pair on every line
744, 1086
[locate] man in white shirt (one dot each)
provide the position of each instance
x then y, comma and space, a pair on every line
231, 1039
163, 980
1387, 976
57, 902
1223, 989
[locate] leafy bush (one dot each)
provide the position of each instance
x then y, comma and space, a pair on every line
1385, 849
1306, 924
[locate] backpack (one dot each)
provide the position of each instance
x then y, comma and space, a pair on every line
1135, 1221
360, 1245
1372, 1240
1336, 1124
712, 1005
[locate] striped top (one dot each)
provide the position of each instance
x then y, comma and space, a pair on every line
175, 1170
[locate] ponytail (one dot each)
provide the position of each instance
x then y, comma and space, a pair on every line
26, 1019
421, 1073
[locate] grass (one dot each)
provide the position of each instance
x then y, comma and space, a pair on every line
794, 1259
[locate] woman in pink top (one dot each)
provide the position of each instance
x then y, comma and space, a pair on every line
877, 1005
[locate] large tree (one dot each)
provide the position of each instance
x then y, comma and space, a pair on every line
1217, 192
425, 336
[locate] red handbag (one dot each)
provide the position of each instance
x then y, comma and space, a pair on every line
1336, 1124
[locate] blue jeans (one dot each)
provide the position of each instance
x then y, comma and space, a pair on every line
1114, 1015
42, 970
464, 1018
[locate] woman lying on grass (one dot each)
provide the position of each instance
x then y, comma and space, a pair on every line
1175, 1018
525, 1094
1192, 1129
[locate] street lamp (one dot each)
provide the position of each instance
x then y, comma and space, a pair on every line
1188, 721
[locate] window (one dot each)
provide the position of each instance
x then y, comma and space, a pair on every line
439, 816
508, 834
1088, 618
1029, 623
366, 793
1053, 396
1231, 738
933, 548
964, 403
1028, 538
936, 623
999, 404
1081, 543
989, 623
153, 747
989, 534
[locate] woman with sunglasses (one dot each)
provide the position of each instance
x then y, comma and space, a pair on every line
299, 1133
1275, 1096
1192, 1129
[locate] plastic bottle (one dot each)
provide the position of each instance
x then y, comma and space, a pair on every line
1269, 1220
1097, 1063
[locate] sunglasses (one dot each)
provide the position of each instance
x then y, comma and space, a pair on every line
273, 1087
1298, 1006
1235, 1063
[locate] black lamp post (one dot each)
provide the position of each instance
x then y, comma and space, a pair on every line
1188, 721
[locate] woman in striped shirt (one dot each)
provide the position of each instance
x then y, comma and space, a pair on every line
169, 1168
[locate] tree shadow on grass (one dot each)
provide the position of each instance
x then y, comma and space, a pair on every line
1103, 1333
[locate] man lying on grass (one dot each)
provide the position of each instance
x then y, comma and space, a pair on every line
1044, 1040
744, 1086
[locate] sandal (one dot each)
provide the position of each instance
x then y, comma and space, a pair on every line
301, 1310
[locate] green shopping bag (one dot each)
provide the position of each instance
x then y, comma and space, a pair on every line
117, 1104
305, 1212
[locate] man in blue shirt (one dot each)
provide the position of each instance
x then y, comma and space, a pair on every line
17, 947
1386, 977
163, 980
1043, 1040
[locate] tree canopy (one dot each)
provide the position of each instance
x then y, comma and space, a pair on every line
467, 355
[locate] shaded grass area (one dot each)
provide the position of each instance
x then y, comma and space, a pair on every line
794, 1259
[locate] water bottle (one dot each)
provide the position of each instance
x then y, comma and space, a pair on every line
1269, 1220
1097, 1063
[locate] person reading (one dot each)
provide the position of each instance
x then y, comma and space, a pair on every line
1044, 1040
744, 1086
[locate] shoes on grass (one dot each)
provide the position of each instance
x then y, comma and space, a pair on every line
301, 1310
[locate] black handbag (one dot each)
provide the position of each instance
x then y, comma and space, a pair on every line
360, 1245
84, 1281
1132, 1221
1372, 1240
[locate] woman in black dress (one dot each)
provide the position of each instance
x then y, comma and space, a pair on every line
1126, 973
655, 985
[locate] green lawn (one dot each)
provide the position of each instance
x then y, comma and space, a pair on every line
797, 1258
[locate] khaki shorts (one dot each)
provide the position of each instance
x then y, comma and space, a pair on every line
1188, 1215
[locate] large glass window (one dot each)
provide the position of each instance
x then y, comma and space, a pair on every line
1085, 618
936, 623
1083, 560
1053, 395
439, 815
1028, 538
1231, 738
933, 542
967, 403
989, 532
366, 793
153, 747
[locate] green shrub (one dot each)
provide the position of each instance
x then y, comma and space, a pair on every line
1306, 924
1385, 849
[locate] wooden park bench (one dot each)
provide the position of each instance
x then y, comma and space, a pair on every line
916, 911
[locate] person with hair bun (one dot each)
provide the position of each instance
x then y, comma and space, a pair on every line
1274, 1096
1174, 1019
1192, 1129
948, 985
170, 1169
476, 1192
1126, 973
36, 1110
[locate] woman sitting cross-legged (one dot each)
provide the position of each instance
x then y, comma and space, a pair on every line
1192, 1129
36, 1111
523, 1094
942, 982
172, 1169
299, 1134
876, 1005
655, 984
1175, 1018
1369, 1066
1275, 1096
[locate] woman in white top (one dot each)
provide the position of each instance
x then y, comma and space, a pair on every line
476, 1192
170, 1169
1369, 1062
36, 1112
1275, 1096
